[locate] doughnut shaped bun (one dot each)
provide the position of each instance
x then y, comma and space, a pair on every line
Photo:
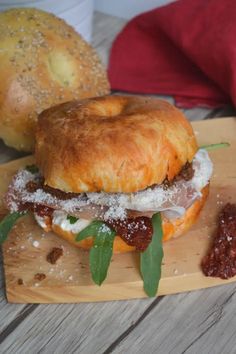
43, 62
173, 228
112, 144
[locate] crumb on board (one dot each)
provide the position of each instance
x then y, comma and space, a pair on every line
20, 281
39, 276
54, 255
36, 244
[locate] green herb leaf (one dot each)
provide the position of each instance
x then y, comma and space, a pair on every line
7, 223
32, 168
72, 219
101, 252
89, 231
151, 258
215, 146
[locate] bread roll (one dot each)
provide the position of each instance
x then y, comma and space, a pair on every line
112, 144
43, 62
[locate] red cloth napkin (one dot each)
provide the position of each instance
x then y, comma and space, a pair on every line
186, 49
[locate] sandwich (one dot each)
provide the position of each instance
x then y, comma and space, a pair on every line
113, 174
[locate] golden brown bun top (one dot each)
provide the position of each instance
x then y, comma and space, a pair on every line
112, 144
43, 62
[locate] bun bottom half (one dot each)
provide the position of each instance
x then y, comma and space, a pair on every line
171, 229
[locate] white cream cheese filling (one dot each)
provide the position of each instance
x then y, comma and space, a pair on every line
60, 218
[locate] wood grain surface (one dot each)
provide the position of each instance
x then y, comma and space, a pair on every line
26, 249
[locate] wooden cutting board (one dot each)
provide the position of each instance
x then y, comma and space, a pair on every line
69, 279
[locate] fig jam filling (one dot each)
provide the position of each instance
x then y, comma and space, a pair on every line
135, 232
33, 186
39, 209
221, 258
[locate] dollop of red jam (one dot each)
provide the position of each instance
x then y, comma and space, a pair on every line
33, 186
221, 258
135, 232
41, 210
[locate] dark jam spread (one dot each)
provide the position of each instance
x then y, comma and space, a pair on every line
186, 173
135, 232
40, 210
32, 186
221, 259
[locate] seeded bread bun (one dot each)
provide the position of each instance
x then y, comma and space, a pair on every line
112, 144
173, 228
43, 62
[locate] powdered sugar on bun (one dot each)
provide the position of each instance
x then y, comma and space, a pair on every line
173, 201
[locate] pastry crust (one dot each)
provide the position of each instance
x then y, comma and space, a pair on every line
43, 62
171, 229
112, 144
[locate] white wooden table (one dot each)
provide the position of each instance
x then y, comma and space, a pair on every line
202, 321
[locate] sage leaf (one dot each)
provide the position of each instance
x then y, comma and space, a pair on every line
151, 258
215, 146
90, 230
7, 223
101, 252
